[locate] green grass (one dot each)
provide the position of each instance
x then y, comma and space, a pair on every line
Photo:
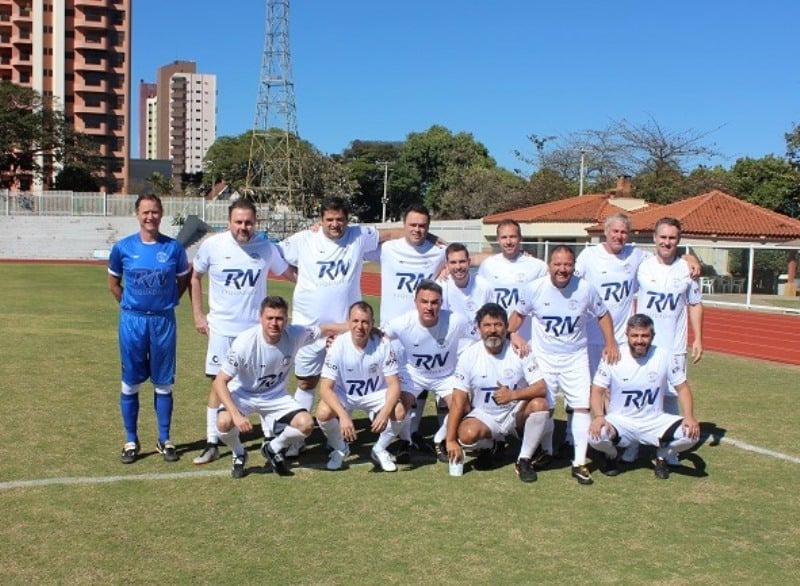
733, 521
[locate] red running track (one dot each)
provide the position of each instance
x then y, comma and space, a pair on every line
732, 331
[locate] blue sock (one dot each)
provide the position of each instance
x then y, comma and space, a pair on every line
163, 406
129, 407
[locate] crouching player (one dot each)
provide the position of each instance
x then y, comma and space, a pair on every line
360, 372
253, 379
508, 395
636, 385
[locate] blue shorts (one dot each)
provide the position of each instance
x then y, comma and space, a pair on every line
147, 347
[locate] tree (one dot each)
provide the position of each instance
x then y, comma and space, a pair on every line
73, 178
161, 185
362, 159
770, 182
793, 146
35, 138
227, 159
477, 191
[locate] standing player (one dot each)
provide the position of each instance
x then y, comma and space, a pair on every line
147, 274
509, 270
360, 372
636, 385
430, 336
463, 292
560, 305
507, 394
253, 379
237, 262
667, 294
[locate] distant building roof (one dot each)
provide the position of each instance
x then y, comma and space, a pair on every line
717, 214
584, 208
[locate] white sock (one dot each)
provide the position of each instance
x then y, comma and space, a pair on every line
333, 433
387, 435
304, 398
547, 436
535, 424
289, 435
580, 433
416, 414
441, 433
212, 435
405, 428
231, 439
569, 439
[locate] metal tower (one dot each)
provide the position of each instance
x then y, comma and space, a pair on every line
273, 170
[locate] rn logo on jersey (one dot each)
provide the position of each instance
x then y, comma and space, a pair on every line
238, 278
362, 387
149, 279
506, 298
488, 394
616, 291
640, 399
662, 301
560, 326
270, 380
408, 281
332, 269
430, 361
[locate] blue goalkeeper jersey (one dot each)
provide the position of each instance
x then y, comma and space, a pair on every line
149, 272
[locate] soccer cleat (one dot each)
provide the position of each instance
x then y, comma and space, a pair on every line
441, 452
237, 471
294, 450
129, 452
208, 455
525, 471
383, 460
542, 461
422, 444
611, 465
673, 460
336, 458
661, 468
582, 475
276, 459
167, 449
403, 453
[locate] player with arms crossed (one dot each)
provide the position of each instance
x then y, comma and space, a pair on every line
507, 394
560, 304
360, 372
147, 274
637, 384
253, 379
237, 263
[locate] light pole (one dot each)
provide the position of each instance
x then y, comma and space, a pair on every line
385, 198
583, 167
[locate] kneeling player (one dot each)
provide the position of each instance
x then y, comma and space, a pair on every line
508, 394
253, 379
636, 385
360, 372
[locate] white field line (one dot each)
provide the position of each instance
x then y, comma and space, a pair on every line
87, 480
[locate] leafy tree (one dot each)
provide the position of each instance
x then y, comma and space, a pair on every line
227, 159
73, 178
770, 182
477, 191
793, 146
35, 138
161, 185
362, 160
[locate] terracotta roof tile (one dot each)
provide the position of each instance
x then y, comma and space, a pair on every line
720, 215
584, 208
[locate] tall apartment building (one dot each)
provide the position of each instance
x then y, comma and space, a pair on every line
180, 122
147, 104
78, 53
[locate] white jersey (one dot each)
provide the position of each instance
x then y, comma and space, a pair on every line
637, 386
261, 368
614, 277
430, 353
237, 275
665, 291
356, 372
480, 373
466, 301
328, 272
507, 278
403, 267
560, 315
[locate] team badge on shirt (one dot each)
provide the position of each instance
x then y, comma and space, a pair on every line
162, 257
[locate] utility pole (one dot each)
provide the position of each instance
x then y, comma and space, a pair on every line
385, 198
583, 168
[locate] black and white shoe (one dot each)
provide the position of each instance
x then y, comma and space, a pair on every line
525, 471
611, 466
167, 449
209, 454
582, 475
276, 459
130, 451
661, 468
237, 470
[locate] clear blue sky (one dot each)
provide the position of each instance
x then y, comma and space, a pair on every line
376, 70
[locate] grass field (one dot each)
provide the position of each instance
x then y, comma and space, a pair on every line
731, 516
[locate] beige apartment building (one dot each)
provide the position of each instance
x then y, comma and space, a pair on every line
77, 52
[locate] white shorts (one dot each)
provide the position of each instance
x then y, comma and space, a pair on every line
270, 410
500, 423
641, 430
570, 374
371, 403
442, 388
310, 358
678, 364
218, 346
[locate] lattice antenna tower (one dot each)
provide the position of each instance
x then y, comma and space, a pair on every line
273, 169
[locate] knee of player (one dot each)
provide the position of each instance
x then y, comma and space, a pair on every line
224, 421
303, 422
470, 432
400, 411
536, 405
324, 412
407, 400
307, 383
